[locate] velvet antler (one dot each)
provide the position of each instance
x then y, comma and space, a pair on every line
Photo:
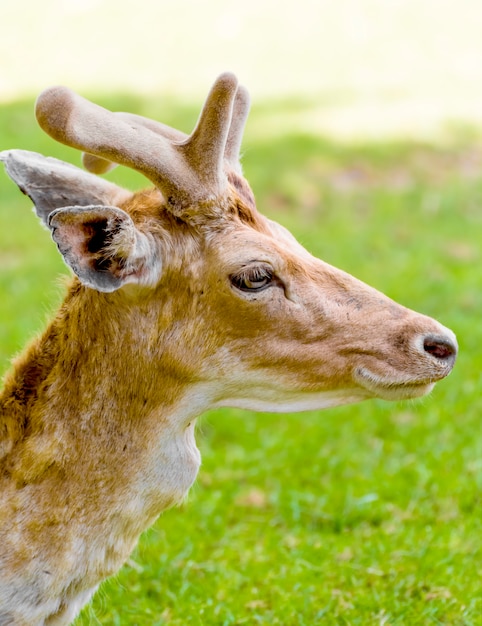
99, 165
187, 170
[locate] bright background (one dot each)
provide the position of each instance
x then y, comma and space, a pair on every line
366, 66
365, 139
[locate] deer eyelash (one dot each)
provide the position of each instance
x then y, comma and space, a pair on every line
253, 278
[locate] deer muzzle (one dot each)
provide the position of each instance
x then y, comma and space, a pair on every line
416, 364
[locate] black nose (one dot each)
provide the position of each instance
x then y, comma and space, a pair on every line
441, 348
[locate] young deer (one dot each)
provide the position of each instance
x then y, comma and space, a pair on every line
184, 298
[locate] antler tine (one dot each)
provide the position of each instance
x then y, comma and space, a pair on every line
188, 171
238, 122
206, 144
96, 164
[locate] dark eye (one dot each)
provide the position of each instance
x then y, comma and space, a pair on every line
253, 278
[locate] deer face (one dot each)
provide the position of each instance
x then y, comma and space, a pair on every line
251, 312
300, 334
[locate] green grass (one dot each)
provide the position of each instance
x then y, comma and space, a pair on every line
368, 514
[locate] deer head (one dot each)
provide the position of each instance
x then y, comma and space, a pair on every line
270, 326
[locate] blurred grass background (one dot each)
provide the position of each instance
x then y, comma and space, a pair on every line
365, 140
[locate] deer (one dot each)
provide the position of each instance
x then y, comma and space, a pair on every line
182, 298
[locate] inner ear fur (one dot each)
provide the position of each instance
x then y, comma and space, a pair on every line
102, 245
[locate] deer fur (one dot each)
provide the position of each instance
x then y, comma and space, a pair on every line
183, 298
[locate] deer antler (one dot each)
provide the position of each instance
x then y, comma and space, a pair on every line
98, 165
238, 121
186, 169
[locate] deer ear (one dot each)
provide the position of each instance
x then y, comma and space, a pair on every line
52, 184
103, 247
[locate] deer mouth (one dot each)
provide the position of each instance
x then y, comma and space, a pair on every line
435, 354
391, 389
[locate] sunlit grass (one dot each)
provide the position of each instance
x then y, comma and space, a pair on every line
368, 514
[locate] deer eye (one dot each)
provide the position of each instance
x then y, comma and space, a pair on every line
253, 278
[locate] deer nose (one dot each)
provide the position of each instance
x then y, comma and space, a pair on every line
441, 347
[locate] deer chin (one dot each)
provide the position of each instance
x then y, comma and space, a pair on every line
387, 388
285, 402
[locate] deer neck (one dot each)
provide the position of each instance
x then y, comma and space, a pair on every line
85, 395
